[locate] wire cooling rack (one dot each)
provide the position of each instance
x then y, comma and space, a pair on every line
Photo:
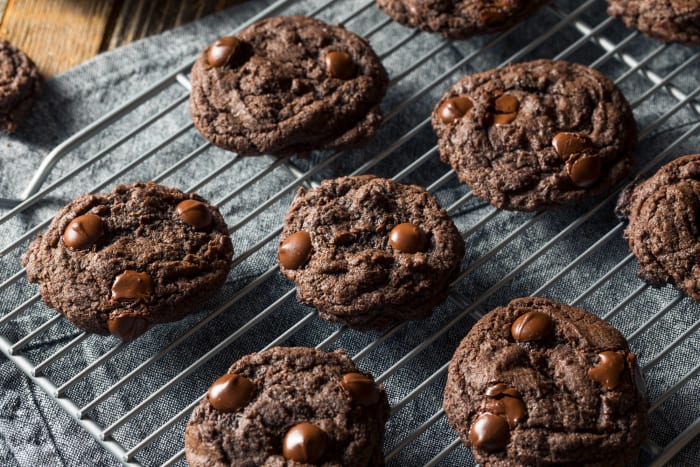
135, 398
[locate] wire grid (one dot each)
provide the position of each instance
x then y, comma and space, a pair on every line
508, 252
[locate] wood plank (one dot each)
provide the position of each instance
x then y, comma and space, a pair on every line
57, 34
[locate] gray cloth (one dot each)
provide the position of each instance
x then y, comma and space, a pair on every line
35, 431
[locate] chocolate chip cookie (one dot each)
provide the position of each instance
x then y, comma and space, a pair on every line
20, 85
664, 225
668, 21
119, 262
459, 19
287, 85
537, 134
538, 382
289, 406
366, 251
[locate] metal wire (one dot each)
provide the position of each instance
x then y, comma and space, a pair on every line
465, 308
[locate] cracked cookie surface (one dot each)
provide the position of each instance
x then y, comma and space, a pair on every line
666, 20
538, 382
288, 85
119, 262
536, 135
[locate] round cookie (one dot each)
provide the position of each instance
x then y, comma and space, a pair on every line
459, 19
537, 134
367, 251
664, 225
668, 21
538, 382
288, 406
120, 262
20, 85
287, 85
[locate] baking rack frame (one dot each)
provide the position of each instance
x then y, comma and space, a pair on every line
36, 192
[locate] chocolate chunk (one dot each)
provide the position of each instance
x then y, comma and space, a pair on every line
132, 285
230, 392
339, 65
609, 371
407, 238
490, 432
584, 171
500, 389
295, 250
532, 326
454, 108
83, 232
506, 110
506, 402
127, 327
567, 143
222, 51
196, 214
361, 388
304, 442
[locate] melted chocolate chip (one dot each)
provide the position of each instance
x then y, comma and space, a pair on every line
222, 51
304, 443
131, 285
407, 238
83, 232
195, 213
127, 327
506, 402
490, 432
506, 109
454, 108
230, 392
567, 143
501, 389
532, 326
609, 371
360, 388
339, 65
584, 171
492, 16
295, 250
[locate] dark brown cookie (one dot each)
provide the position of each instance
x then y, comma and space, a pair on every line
120, 262
541, 383
289, 406
459, 18
537, 134
668, 21
20, 85
367, 251
664, 225
287, 85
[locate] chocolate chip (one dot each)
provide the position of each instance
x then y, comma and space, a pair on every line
230, 392
83, 232
295, 250
454, 108
127, 327
195, 213
339, 65
496, 390
132, 285
567, 143
532, 326
361, 388
490, 432
407, 238
506, 401
304, 442
506, 109
222, 51
609, 371
584, 171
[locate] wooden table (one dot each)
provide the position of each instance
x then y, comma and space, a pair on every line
59, 34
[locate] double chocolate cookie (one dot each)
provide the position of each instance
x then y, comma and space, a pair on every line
537, 134
541, 383
664, 225
367, 251
287, 85
289, 406
20, 85
120, 262
668, 21
459, 18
